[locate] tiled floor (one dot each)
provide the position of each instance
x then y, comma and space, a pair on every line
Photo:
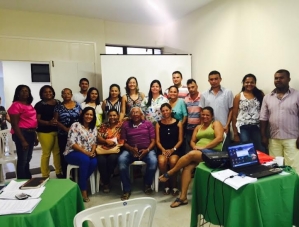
164, 216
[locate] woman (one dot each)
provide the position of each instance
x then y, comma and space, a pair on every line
81, 146
246, 113
93, 100
151, 104
109, 136
47, 130
207, 135
23, 123
113, 101
169, 138
3, 117
178, 105
65, 114
132, 97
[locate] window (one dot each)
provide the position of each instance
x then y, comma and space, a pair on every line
40, 73
132, 50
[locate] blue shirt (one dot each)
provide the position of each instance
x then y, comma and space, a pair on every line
180, 110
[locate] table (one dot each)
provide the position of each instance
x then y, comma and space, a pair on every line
270, 202
61, 201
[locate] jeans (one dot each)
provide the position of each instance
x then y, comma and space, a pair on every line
87, 166
106, 166
124, 161
251, 133
62, 140
24, 156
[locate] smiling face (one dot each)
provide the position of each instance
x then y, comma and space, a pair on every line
155, 88
132, 85
88, 117
84, 85
177, 79
47, 94
206, 116
173, 93
166, 112
136, 114
249, 84
114, 92
113, 117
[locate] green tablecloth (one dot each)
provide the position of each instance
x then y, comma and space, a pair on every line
270, 202
61, 201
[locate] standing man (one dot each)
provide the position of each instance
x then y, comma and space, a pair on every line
192, 103
81, 96
177, 81
280, 109
221, 100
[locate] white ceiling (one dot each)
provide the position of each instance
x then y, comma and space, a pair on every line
154, 12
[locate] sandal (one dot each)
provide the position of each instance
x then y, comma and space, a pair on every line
125, 196
175, 192
166, 191
148, 190
178, 202
86, 200
164, 177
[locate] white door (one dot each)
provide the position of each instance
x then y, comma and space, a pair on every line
67, 75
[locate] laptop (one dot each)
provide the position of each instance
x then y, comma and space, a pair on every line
243, 158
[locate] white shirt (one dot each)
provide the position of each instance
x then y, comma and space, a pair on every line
79, 98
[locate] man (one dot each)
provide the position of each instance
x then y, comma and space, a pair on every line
139, 137
280, 109
221, 100
192, 103
81, 96
177, 81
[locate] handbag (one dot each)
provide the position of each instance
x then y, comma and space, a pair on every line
102, 150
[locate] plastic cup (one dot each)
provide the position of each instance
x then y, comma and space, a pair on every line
279, 160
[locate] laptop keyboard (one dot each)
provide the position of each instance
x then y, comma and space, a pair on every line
257, 169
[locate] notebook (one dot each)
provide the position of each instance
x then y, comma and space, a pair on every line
244, 159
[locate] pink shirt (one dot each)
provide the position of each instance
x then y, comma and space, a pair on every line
27, 114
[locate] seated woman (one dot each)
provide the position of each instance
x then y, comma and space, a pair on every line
109, 136
81, 146
169, 138
207, 135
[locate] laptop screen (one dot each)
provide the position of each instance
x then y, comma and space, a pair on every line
242, 155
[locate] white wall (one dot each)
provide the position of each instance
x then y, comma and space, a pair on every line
237, 37
16, 73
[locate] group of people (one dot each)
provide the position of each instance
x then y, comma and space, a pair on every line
167, 130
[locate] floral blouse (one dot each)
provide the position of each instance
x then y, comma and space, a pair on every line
152, 112
80, 136
107, 133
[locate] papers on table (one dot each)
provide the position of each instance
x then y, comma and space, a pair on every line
232, 179
18, 206
12, 189
9, 204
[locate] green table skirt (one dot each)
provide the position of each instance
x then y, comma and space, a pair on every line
61, 201
270, 202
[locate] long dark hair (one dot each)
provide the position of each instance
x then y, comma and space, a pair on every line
41, 91
118, 87
88, 99
92, 124
127, 84
17, 93
259, 94
150, 94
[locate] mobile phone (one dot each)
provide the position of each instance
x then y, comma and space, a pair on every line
22, 196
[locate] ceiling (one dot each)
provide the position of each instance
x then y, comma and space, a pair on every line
153, 12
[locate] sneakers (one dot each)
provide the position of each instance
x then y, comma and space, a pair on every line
148, 190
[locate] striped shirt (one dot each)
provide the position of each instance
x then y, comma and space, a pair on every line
109, 105
221, 103
139, 136
183, 92
193, 111
282, 114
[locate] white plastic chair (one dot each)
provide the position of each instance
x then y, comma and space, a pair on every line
155, 186
128, 213
223, 141
91, 179
7, 146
